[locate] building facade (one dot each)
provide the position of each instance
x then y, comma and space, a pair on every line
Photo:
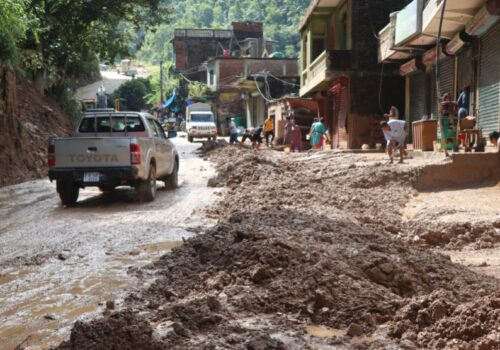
467, 55
250, 82
239, 65
339, 68
193, 47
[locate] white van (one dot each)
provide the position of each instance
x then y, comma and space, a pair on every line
200, 122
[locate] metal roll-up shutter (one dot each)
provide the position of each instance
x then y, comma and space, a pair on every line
447, 76
489, 81
417, 97
464, 69
447, 81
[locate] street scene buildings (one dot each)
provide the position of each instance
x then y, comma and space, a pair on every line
467, 56
250, 175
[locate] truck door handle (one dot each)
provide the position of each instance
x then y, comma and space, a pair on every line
92, 150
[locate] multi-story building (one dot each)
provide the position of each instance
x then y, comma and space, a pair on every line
192, 47
339, 67
248, 83
239, 65
468, 57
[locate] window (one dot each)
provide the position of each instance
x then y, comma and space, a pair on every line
202, 118
87, 125
160, 130
152, 126
134, 124
111, 124
211, 76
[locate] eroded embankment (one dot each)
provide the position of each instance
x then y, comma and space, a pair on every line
458, 206
304, 239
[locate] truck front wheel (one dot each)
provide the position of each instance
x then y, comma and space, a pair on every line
68, 192
147, 188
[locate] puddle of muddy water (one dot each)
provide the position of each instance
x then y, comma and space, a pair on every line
323, 332
161, 247
37, 308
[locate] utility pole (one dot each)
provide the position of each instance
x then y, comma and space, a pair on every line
161, 82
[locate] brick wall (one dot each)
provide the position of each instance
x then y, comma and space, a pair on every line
245, 30
192, 52
368, 18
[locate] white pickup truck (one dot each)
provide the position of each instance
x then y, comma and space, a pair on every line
111, 149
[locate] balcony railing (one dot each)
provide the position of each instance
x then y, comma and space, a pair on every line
321, 69
315, 70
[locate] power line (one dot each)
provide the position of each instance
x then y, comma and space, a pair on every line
258, 89
283, 81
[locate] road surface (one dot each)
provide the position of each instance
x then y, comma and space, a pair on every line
61, 264
111, 81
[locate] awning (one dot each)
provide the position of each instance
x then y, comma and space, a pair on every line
318, 8
171, 100
457, 14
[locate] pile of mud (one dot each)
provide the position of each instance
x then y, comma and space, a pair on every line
26, 126
303, 240
455, 236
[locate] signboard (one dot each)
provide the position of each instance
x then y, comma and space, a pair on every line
409, 22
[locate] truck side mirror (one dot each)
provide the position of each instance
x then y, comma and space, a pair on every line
172, 134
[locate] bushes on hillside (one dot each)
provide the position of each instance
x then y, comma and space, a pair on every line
132, 95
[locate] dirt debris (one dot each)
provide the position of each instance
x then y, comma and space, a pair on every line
303, 240
24, 148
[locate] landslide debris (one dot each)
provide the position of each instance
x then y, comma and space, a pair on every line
303, 240
25, 130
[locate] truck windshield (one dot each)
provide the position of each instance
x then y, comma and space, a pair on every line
111, 124
202, 118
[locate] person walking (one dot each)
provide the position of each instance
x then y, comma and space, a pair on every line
269, 130
286, 132
296, 137
318, 134
233, 131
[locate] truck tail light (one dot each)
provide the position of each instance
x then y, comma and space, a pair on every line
135, 154
52, 156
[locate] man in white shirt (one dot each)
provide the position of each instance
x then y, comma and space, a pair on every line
395, 134
233, 131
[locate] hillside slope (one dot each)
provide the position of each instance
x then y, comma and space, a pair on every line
27, 121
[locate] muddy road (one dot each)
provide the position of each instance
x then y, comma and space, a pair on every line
111, 81
59, 264
313, 251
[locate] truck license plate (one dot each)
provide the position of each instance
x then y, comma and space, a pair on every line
91, 177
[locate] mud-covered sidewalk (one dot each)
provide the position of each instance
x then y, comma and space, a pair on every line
310, 251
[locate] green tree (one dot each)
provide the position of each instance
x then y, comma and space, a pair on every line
133, 95
13, 26
65, 32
